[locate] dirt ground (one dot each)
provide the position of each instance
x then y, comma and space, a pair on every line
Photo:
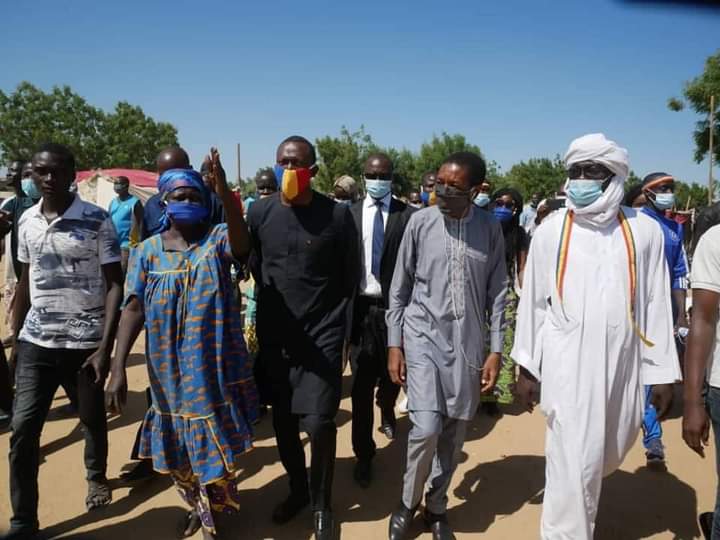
496, 492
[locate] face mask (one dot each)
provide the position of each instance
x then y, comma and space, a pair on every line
664, 201
293, 182
482, 200
119, 188
451, 200
187, 213
502, 214
378, 189
584, 192
30, 188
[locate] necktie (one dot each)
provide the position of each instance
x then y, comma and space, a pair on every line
378, 239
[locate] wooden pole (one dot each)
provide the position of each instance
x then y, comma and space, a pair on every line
711, 185
239, 175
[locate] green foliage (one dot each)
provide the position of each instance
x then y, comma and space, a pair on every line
697, 94
541, 175
124, 138
346, 154
341, 155
690, 195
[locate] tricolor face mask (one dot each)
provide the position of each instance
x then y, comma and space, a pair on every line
293, 182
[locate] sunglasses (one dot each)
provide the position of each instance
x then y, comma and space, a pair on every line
378, 176
503, 204
589, 171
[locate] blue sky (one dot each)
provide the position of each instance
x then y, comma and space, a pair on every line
519, 79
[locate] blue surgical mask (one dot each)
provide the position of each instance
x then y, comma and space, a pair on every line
187, 213
502, 214
584, 192
378, 189
30, 188
482, 200
664, 201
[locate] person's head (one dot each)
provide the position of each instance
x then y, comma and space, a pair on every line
266, 184
295, 166
414, 199
121, 186
482, 199
14, 173
172, 157
635, 197
535, 199
53, 167
427, 188
27, 169
458, 182
345, 190
596, 170
507, 206
659, 191
378, 175
186, 198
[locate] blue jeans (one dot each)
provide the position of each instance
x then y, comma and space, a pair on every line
651, 424
712, 401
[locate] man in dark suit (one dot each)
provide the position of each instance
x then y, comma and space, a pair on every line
380, 220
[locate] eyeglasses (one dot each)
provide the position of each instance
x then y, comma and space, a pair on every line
378, 176
590, 171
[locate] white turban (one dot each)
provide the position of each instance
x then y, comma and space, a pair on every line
596, 147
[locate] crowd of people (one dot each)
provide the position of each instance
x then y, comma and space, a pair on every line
461, 296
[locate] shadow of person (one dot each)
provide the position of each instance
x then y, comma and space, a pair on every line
135, 359
480, 426
645, 503
137, 496
157, 523
496, 488
133, 413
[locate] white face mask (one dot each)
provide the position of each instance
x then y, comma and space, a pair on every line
378, 189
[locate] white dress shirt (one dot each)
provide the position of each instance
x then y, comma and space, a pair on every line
369, 285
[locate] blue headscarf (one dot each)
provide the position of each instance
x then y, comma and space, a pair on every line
173, 179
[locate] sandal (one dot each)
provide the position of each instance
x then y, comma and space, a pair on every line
99, 494
189, 525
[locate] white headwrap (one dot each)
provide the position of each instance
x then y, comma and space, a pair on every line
595, 147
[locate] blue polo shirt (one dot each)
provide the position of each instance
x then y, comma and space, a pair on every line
674, 250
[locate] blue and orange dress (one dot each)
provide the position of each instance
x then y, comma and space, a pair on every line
204, 397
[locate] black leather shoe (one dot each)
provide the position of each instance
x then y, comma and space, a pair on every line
388, 430
362, 473
706, 522
400, 523
21, 534
438, 525
324, 525
289, 508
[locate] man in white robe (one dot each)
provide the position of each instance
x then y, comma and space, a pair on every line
593, 330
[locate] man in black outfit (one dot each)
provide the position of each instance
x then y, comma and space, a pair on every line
305, 264
380, 220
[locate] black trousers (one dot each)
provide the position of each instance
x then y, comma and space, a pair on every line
369, 364
322, 431
39, 373
6, 393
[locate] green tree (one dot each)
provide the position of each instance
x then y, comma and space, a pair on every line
132, 139
690, 195
341, 155
433, 153
123, 138
541, 175
697, 94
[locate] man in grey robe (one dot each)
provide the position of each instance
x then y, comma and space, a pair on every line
449, 279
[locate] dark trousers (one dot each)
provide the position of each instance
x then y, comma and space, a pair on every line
39, 373
322, 432
369, 363
6, 393
135, 452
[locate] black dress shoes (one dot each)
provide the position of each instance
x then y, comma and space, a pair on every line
289, 508
325, 528
362, 473
400, 523
438, 525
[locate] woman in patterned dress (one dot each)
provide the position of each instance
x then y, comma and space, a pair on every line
204, 399
507, 204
